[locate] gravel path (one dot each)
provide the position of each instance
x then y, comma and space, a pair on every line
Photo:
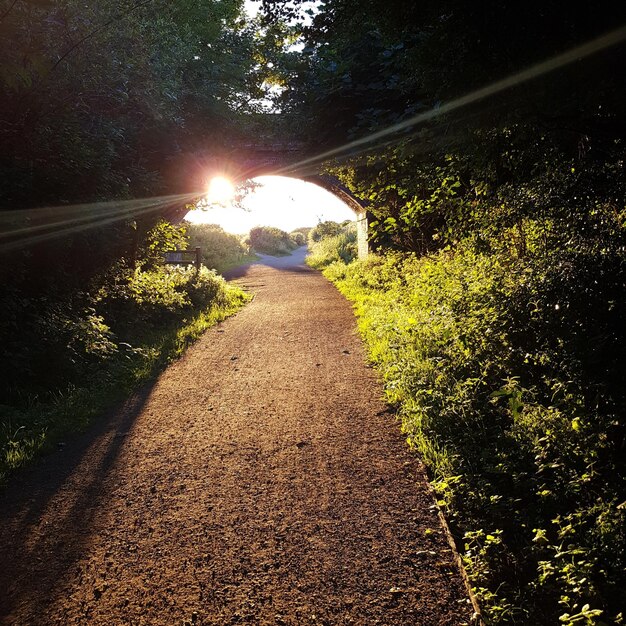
259, 480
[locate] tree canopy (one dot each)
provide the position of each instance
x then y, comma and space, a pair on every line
97, 100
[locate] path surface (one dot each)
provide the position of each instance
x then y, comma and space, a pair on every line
260, 480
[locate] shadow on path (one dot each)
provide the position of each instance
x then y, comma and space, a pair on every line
27, 551
260, 480
68, 483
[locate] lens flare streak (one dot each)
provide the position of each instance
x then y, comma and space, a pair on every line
22, 228
575, 54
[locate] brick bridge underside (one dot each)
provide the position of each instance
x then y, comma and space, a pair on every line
249, 161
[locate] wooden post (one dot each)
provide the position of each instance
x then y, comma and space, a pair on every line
198, 259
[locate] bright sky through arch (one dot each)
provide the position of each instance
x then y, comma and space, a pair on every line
286, 203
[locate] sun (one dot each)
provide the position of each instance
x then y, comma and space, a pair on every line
221, 191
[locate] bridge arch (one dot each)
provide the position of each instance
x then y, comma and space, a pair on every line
334, 186
249, 161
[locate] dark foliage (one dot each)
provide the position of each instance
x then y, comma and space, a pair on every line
502, 339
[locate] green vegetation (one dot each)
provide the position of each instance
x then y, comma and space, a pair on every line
495, 306
101, 103
220, 250
69, 355
303, 230
330, 242
506, 365
298, 238
111, 100
271, 240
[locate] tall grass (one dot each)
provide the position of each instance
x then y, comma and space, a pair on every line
505, 373
330, 242
159, 314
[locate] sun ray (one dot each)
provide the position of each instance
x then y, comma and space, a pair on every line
603, 42
27, 227
279, 201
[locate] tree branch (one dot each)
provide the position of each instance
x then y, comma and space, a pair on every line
96, 31
8, 10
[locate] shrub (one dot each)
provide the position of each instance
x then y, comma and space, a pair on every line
271, 240
150, 295
161, 238
506, 374
305, 230
324, 229
330, 242
299, 238
68, 353
50, 342
220, 250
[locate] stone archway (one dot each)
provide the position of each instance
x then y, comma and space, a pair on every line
333, 185
249, 160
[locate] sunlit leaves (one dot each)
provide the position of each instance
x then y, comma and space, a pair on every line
495, 394
96, 98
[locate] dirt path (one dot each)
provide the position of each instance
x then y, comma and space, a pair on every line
260, 480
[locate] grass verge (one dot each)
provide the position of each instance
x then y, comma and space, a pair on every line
507, 378
38, 425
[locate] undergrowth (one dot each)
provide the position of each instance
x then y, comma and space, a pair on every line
273, 241
507, 372
220, 250
35, 423
71, 353
330, 242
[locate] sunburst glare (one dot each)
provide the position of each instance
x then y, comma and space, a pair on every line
221, 191
286, 203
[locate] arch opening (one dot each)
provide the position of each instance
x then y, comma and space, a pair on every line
285, 202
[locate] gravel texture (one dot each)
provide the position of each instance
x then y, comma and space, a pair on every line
260, 480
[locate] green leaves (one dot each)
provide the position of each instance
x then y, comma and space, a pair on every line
161, 238
330, 243
506, 418
97, 99
271, 240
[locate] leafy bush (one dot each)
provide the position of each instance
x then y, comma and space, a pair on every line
271, 240
305, 230
299, 238
330, 242
323, 230
508, 375
220, 250
164, 293
161, 238
67, 354
47, 342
